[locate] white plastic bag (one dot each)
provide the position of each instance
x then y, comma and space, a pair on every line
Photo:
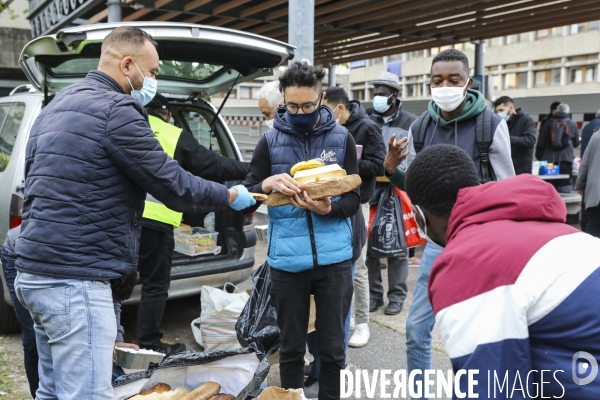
215, 329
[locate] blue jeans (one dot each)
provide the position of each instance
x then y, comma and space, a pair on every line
421, 320
311, 342
30, 354
75, 328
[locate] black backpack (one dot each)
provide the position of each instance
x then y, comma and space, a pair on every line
559, 135
483, 139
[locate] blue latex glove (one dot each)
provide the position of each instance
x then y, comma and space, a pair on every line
243, 199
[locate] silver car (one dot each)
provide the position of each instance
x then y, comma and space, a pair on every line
196, 61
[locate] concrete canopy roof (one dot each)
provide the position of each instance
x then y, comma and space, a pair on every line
351, 30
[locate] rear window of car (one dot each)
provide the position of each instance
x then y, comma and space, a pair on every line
167, 68
11, 116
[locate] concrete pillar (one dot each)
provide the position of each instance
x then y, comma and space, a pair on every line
114, 10
367, 91
301, 30
332, 76
531, 75
480, 58
563, 72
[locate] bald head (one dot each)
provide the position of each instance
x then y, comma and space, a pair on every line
127, 55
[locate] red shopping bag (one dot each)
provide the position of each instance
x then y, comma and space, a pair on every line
411, 228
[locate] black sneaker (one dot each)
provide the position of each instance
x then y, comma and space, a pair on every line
169, 349
311, 388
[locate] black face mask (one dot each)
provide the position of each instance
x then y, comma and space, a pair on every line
304, 122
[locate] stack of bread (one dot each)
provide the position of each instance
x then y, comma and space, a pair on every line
317, 180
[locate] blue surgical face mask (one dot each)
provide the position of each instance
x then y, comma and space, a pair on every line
424, 234
148, 90
504, 115
380, 103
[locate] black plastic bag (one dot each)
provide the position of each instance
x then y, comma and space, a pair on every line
257, 325
189, 359
387, 238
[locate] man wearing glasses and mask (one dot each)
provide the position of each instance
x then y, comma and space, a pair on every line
309, 242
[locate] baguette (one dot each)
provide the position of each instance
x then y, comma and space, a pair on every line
158, 388
223, 397
259, 196
318, 190
203, 392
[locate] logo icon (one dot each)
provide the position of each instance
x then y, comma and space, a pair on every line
583, 367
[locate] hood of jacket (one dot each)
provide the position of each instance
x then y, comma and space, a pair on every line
520, 198
325, 124
560, 115
475, 105
357, 112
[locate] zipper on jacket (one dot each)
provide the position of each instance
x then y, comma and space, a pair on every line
309, 220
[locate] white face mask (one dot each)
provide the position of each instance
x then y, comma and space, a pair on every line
449, 98
337, 120
423, 232
269, 123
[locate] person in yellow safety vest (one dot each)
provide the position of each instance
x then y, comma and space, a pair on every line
157, 242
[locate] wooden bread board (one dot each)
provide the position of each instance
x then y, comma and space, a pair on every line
318, 190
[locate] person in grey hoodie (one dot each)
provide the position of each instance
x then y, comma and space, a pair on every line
588, 184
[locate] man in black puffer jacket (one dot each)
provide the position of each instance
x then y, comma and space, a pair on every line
366, 133
522, 134
90, 159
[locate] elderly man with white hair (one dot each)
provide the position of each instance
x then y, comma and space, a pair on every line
269, 99
557, 139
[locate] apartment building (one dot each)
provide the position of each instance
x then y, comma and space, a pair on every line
534, 68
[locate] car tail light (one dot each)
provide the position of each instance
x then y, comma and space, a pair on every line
15, 221
248, 219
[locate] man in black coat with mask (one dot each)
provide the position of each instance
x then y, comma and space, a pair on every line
522, 133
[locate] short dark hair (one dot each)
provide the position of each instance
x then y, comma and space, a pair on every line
126, 37
504, 100
436, 175
452, 55
337, 95
158, 105
301, 74
554, 105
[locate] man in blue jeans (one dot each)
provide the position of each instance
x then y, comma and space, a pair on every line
90, 160
451, 118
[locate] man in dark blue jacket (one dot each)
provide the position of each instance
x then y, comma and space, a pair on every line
90, 159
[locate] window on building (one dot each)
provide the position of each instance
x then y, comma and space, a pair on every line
491, 68
522, 80
555, 76
244, 92
410, 90
585, 74
395, 57
577, 28
542, 34
495, 41
255, 91
510, 39
358, 94
557, 32
525, 37
593, 26
496, 82
540, 78
515, 80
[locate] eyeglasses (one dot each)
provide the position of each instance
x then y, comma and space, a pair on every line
307, 108
422, 222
